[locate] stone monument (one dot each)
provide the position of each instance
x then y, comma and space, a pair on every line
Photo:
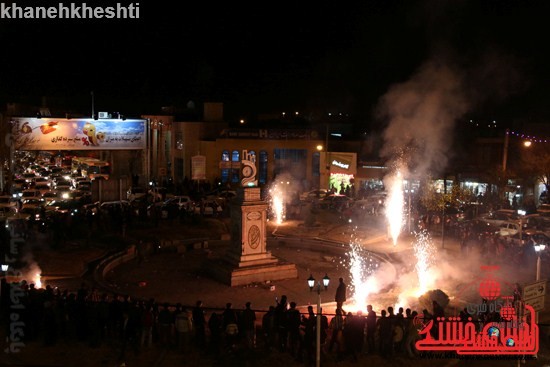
247, 260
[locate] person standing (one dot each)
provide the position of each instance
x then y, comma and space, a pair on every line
230, 326
340, 296
281, 323
184, 327
371, 329
337, 327
268, 328
293, 322
249, 326
199, 324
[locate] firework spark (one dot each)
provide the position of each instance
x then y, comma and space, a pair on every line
362, 280
37, 278
424, 253
278, 208
394, 207
277, 203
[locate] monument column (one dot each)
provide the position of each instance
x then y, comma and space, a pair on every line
247, 259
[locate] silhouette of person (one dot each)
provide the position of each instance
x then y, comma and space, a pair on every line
340, 296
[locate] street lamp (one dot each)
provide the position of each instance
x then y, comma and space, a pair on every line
539, 248
311, 284
5, 268
521, 214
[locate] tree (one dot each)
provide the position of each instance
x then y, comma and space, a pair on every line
536, 163
432, 200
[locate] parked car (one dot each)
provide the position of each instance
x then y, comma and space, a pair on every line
226, 196
31, 194
208, 207
529, 238
181, 201
42, 187
540, 238
158, 193
7, 211
32, 203
135, 193
108, 206
509, 228
7, 201
496, 218
317, 194
372, 204
544, 210
336, 202
84, 186
50, 196
19, 184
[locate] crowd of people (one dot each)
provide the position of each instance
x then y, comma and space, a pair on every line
50, 316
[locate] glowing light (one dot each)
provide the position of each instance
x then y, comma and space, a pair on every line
363, 281
394, 207
424, 253
278, 208
37, 279
277, 202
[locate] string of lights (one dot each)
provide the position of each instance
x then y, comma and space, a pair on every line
531, 138
493, 125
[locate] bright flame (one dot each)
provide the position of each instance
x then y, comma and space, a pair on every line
363, 281
424, 275
394, 207
278, 202
37, 280
278, 208
424, 252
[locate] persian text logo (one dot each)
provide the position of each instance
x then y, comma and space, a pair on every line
498, 329
16, 333
69, 11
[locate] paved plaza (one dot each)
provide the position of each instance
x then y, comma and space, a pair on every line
168, 275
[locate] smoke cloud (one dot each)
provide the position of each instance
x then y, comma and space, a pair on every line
421, 114
31, 272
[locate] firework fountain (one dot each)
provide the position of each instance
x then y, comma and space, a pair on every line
32, 272
281, 193
420, 115
277, 194
394, 205
369, 277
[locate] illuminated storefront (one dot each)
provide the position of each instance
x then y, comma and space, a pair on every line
340, 171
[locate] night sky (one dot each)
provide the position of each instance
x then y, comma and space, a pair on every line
268, 57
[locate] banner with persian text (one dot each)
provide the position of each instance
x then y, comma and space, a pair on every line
78, 134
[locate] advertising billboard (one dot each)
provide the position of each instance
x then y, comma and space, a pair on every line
78, 134
198, 167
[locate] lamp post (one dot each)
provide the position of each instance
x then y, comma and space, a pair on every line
539, 248
409, 193
319, 148
317, 285
5, 268
521, 214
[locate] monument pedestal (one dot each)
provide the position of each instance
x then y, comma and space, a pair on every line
247, 260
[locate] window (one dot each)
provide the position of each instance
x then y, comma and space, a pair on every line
262, 168
235, 157
316, 164
225, 171
290, 161
179, 140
